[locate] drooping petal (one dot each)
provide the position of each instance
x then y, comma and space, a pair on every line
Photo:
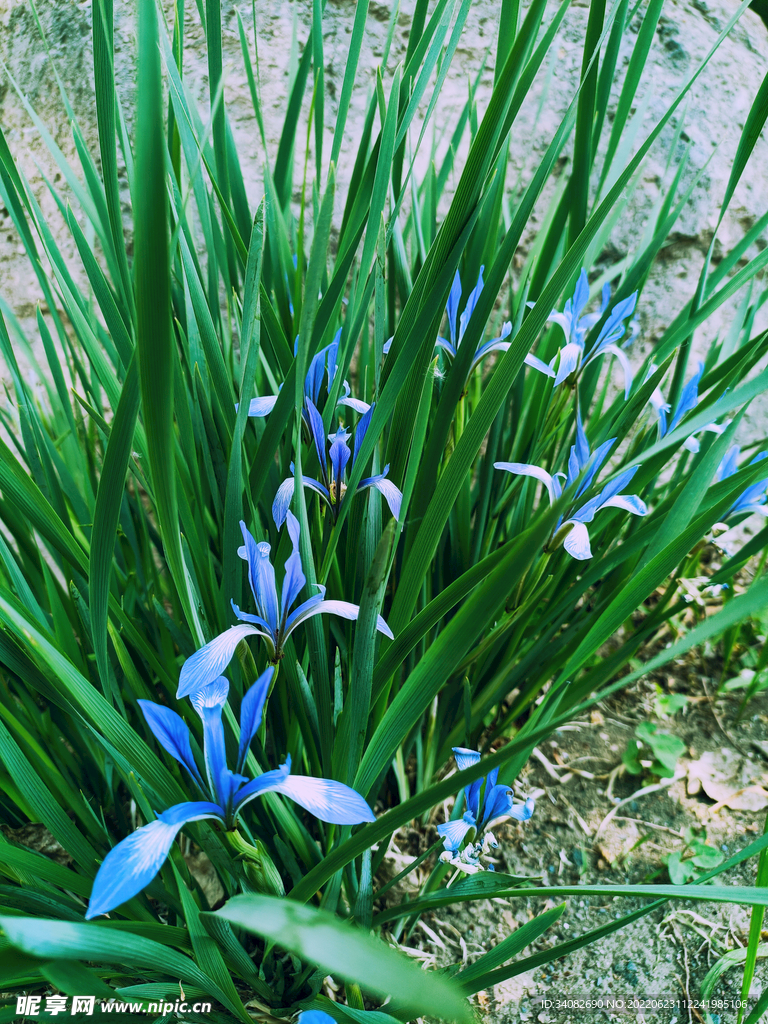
392, 494
561, 319
134, 862
172, 733
625, 364
352, 403
628, 502
317, 430
282, 501
261, 406
446, 346
251, 710
538, 364
327, 799
315, 485
750, 507
577, 542
208, 702
210, 661
691, 444
266, 783
522, 812
453, 832
570, 355
261, 575
525, 469
343, 609
294, 580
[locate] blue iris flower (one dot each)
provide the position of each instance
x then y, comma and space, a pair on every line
583, 465
322, 365
497, 803
754, 497
576, 324
689, 399
333, 468
500, 344
274, 622
131, 865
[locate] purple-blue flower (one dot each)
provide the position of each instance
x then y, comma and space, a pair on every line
451, 347
583, 465
688, 400
754, 497
131, 865
576, 324
496, 803
274, 621
333, 468
322, 365
500, 344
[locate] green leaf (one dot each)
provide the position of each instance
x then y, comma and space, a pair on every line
106, 516
481, 973
350, 954
59, 940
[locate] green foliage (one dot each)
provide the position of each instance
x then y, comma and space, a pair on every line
664, 750
696, 857
128, 460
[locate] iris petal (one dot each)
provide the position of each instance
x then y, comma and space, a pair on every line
172, 733
344, 609
327, 799
210, 661
392, 494
453, 833
577, 542
569, 361
208, 702
525, 469
317, 430
294, 579
282, 501
131, 865
251, 709
261, 406
261, 575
